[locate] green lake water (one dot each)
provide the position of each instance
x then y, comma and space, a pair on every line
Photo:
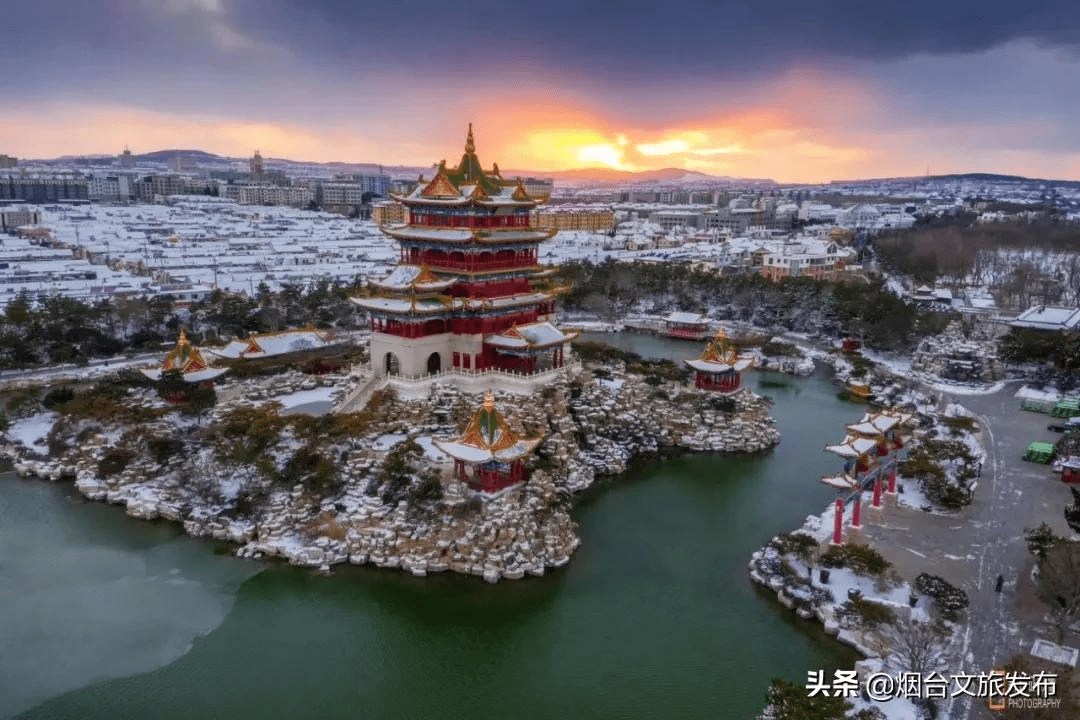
654, 617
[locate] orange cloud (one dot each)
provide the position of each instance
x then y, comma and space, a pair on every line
807, 127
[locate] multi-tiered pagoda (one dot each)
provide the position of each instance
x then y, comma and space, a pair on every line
468, 292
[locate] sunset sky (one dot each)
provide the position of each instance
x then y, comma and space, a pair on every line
780, 90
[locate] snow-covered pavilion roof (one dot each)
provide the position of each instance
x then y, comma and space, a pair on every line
271, 344
686, 318
853, 446
406, 277
508, 301
1042, 317
718, 367
535, 336
488, 438
841, 482
414, 305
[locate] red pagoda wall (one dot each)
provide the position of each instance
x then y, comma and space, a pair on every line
417, 217
470, 261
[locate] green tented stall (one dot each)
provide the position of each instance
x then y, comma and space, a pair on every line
1066, 409
1040, 452
1043, 406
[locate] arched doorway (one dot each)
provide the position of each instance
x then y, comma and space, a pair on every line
434, 363
393, 366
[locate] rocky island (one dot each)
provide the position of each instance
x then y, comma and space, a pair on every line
372, 486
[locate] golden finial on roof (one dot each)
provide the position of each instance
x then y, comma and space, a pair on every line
182, 340
720, 334
442, 164
495, 169
489, 400
470, 146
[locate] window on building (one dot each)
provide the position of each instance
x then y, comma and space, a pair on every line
468, 362
457, 359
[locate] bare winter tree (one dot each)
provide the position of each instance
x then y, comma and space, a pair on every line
913, 646
1071, 268
1059, 584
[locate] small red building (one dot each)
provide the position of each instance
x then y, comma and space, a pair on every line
1070, 471
685, 325
495, 453
719, 367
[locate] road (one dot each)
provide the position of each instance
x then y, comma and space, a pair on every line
1014, 495
972, 547
11, 378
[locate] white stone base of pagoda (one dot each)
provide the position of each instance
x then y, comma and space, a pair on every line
473, 381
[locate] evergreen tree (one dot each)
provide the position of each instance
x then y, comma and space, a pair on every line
787, 701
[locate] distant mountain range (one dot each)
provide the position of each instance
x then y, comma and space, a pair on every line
675, 176
976, 177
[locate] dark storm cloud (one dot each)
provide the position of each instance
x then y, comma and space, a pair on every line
644, 38
76, 41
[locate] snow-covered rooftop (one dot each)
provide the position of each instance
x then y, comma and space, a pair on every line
1042, 317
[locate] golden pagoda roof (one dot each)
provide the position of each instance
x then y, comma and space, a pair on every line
185, 357
721, 355
468, 181
488, 438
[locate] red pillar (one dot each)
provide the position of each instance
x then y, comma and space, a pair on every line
856, 511
838, 523
892, 480
877, 491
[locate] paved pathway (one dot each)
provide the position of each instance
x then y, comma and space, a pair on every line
974, 546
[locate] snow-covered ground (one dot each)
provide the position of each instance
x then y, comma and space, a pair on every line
385, 442
32, 431
304, 397
1030, 393
430, 450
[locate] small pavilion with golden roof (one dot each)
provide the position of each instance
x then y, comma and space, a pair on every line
719, 367
491, 448
188, 360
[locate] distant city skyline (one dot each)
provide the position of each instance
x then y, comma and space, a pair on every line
797, 94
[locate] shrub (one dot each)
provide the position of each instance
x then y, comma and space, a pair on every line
426, 491
114, 461
603, 353
163, 448
723, 404
774, 348
860, 559
309, 467
1040, 539
960, 424
865, 613
57, 396
798, 544
245, 433
949, 600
